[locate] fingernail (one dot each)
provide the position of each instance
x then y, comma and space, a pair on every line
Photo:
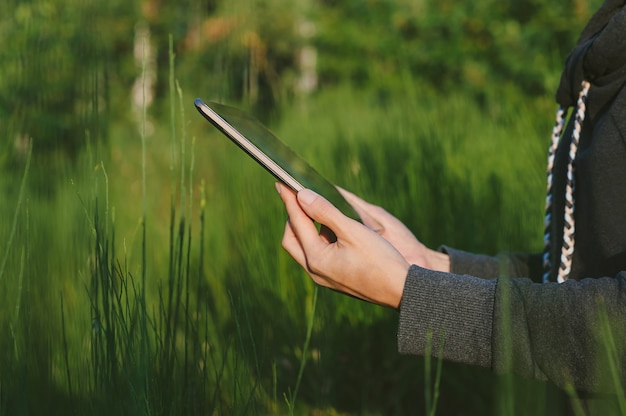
307, 196
277, 187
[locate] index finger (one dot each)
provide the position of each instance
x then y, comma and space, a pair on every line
364, 209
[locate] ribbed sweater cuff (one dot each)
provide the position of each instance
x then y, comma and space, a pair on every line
457, 309
479, 265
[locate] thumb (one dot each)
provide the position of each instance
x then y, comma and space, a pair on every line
320, 210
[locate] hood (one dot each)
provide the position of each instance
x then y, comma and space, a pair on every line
599, 57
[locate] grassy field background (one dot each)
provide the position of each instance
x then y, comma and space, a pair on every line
142, 271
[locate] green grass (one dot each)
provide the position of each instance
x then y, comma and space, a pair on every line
204, 312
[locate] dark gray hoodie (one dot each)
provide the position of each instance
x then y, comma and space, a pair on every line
493, 311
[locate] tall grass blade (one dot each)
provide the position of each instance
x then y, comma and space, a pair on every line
305, 351
20, 199
613, 357
431, 394
66, 355
427, 371
507, 390
172, 94
575, 401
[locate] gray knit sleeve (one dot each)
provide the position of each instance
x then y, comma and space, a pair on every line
491, 267
455, 309
571, 334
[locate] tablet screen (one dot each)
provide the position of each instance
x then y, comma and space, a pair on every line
273, 154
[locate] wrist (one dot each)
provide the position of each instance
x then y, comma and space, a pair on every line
396, 285
439, 261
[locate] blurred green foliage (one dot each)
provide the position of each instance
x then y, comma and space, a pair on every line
57, 61
67, 65
432, 109
450, 44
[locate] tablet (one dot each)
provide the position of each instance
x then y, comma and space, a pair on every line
270, 152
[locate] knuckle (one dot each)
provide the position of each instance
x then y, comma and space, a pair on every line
314, 264
322, 209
